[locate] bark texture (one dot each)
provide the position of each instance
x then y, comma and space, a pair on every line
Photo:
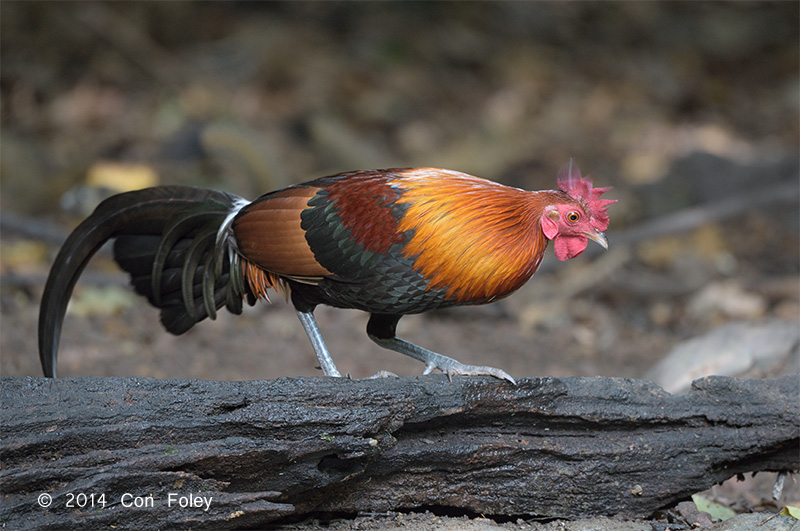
263, 451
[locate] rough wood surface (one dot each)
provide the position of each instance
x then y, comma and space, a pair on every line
266, 450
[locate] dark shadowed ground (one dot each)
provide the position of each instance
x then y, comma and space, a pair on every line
687, 109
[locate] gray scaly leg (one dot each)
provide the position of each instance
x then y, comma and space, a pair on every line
312, 330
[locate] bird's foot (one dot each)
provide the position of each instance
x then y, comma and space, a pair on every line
333, 372
382, 374
451, 367
433, 360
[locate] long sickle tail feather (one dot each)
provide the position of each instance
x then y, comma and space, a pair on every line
172, 241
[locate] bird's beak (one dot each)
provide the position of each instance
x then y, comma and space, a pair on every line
597, 237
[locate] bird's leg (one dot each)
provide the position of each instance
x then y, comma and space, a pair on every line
312, 330
381, 329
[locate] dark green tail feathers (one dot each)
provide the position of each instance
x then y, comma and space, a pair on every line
169, 239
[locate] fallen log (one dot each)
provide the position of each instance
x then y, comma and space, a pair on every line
82, 453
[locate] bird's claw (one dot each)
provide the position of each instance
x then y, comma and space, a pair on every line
382, 374
455, 367
433, 360
478, 370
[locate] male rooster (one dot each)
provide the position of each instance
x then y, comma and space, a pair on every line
388, 242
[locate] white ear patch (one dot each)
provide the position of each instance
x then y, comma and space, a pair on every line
550, 222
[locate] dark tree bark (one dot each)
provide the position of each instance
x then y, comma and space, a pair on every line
266, 450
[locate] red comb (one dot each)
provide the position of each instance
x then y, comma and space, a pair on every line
580, 189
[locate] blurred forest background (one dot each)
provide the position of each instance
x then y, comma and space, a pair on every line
689, 109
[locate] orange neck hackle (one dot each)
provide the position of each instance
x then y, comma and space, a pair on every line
477, 239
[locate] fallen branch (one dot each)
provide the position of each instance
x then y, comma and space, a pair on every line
248, 453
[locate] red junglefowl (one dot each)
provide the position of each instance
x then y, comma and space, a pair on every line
388, 242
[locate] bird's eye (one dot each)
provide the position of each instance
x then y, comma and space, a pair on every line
573, 217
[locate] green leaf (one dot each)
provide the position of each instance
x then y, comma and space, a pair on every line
794, 512
715, 510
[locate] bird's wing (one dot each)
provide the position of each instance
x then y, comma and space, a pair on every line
269, 234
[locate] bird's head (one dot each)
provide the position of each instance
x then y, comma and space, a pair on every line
581, 215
